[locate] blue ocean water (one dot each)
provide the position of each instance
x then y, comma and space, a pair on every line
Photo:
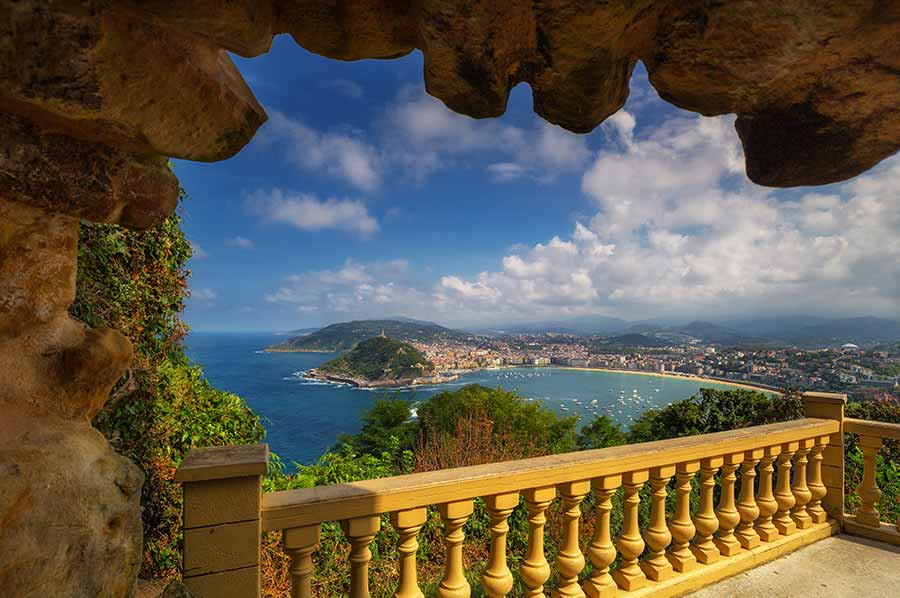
304, 417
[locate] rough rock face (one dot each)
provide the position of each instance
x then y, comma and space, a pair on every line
95, 95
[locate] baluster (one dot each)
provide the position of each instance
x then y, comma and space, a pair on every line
629, 576
454, 515
747, 507
570, 561
868, 489
816, 486
657, 536
765, 500
705, 520
408, 523
681, 526
497, 580
300, 543
801, 492
601, 550
783, 496
360, 532
727, 513
535, 570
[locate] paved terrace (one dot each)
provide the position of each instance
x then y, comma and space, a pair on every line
836, 567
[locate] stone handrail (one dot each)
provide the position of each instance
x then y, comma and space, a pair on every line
867, 519
799, 500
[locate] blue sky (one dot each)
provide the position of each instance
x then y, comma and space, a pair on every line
364, 197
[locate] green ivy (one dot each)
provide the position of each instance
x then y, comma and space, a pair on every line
136, 282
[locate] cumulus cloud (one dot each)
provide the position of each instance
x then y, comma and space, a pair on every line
306, 212
239, 242
679, 230
422, 136
343, 155
354, 290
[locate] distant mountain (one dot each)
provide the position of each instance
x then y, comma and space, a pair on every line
345, 335
815, 331
632, 340
379, 359
584, 325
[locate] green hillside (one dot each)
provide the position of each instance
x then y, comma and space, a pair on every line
380, 358
345, 335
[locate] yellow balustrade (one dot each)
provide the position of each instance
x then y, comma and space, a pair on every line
360, 532
817, 489
799, 487
727, 512
629, 576
747, 507
408, 523
497, 579
866, 521
300, 543
535, 569
681, 526
570, 560
657, 536
454, 515
765, 499
783, 495
705, 521
679, 551
601, 550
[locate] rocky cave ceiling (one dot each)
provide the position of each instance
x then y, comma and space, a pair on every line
96, 95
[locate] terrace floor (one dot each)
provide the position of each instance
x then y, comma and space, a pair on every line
836, 567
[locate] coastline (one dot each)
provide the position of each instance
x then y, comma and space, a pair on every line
692, 377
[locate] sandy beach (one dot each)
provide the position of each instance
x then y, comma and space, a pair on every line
745, 385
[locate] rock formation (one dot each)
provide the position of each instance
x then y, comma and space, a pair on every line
95, 95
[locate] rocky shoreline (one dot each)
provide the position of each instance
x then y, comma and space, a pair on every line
315, 374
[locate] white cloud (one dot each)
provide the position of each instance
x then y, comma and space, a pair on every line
342, 155
239, 242
204, 295
198, 252
422, 136
679, 230
346, 87
308, 213
354, 290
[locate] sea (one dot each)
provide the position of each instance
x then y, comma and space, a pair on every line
304, 418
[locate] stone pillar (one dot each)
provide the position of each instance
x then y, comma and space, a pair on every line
222, 533
826, 405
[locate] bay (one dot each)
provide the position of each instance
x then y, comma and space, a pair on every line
304, 417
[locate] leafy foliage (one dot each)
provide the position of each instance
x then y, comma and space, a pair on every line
136, 282
380, 358
600, 433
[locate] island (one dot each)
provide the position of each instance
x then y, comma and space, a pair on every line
380, 362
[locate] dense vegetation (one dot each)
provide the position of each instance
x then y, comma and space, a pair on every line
478, 425
345, 335
380, 358
136, 282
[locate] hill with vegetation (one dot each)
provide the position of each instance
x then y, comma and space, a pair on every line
379, 359
344, 336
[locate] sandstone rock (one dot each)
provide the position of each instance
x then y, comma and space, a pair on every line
82, 179
103, 76
70, 521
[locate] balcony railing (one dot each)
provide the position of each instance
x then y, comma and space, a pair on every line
798, 499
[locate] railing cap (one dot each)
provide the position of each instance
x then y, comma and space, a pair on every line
222, 462
825, 397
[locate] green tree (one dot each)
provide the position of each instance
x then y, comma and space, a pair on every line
387, 419
600, 433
